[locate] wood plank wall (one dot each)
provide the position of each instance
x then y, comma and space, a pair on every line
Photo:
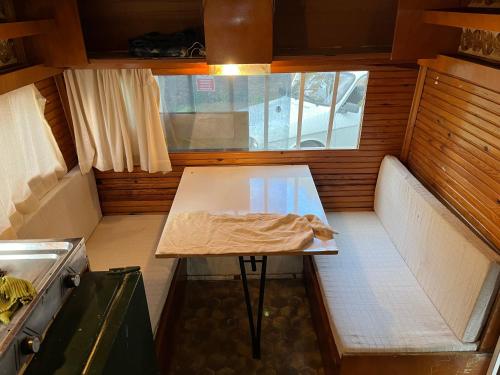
345, 178
55, 116
455, 148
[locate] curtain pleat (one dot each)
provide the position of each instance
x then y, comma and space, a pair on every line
117, 122
31, 162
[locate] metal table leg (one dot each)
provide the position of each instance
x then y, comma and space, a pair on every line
254, 331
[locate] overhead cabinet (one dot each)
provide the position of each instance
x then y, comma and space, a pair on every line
238, 32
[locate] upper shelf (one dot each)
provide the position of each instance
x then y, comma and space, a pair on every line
23, 29
280, 64
483, 18
163, 65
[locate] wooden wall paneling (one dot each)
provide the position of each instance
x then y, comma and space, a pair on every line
63, 95
345, 178
455, 149
414, 39
56, 118
480, 74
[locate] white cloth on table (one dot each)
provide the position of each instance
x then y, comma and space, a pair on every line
250, 233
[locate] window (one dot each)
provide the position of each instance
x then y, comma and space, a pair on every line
274, 112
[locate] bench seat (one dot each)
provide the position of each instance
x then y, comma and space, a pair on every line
72, 209
130, 240
375, 304
409, 277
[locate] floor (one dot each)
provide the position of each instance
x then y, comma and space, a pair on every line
213, 335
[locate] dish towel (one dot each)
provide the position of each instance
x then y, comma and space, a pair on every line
13, 294
194, 232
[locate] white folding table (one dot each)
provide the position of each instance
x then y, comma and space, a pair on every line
240, 190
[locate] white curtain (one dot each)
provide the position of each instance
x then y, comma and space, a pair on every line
30, 160
116, 117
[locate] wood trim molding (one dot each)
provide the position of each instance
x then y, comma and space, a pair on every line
419, 87
321, 323
164, 347
26, 76
475, 72
491, 332
473, 20
11, 30
159, 66
368, 61
280, 64
457, 363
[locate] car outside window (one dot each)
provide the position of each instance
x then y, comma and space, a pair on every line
290, 111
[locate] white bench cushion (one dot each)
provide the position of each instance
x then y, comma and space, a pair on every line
375, 304
457, 270
130, 240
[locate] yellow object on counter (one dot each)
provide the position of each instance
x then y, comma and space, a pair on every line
13, 294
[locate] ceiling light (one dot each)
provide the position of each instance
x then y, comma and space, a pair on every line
239, 69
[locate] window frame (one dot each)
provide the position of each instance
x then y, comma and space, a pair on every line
298, 139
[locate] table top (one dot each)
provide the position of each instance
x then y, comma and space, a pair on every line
248, 189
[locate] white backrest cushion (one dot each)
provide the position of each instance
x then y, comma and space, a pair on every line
457, 270
69, 210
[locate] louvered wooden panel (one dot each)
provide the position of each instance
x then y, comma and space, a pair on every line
345, 178
54, 113
455, 148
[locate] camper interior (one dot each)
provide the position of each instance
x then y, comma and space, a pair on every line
250, 187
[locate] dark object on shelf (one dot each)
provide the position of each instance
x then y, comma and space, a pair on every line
103, 328
188, 43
